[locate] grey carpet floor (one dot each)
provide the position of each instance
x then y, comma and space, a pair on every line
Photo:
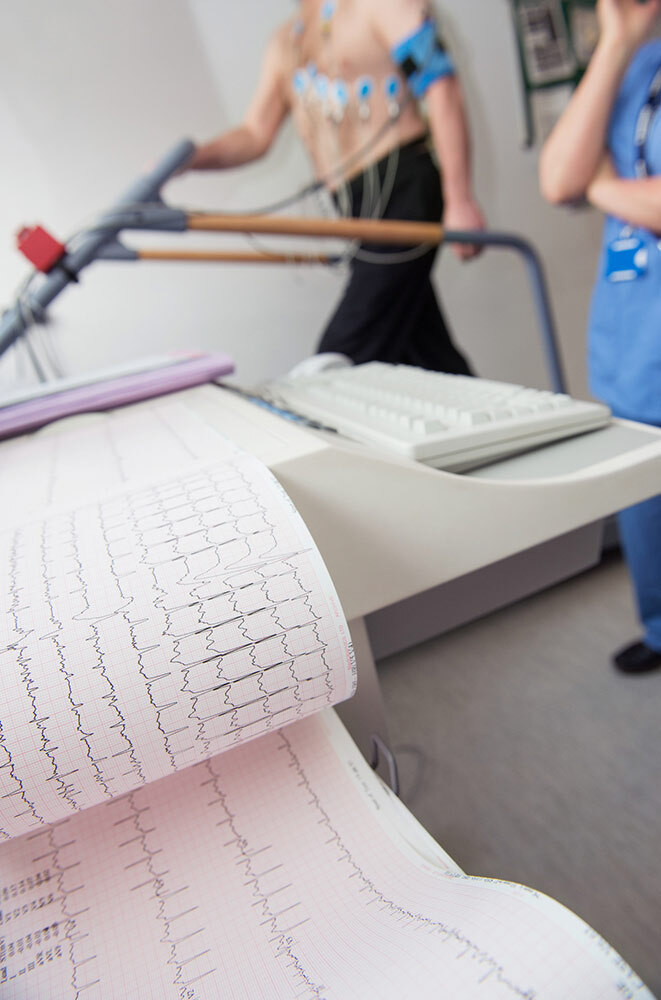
530, 759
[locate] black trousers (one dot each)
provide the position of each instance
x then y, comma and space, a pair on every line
389, 310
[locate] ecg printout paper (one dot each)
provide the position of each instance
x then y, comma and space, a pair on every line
156, 627
276, 871
89, 456
281, 868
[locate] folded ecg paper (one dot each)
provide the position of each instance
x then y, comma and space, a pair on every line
182, 815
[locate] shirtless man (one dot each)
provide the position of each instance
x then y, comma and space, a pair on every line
352, 74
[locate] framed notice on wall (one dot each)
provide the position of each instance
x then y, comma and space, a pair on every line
555, 41
545, 43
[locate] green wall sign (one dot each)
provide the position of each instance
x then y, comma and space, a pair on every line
555, 41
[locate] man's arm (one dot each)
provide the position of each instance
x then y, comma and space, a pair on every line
636, 202
573, 152
260, 125
393, 21
449, 128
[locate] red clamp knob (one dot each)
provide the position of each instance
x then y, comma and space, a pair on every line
40, 248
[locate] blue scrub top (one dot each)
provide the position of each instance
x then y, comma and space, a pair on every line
624, 344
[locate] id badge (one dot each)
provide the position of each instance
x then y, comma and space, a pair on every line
626, 258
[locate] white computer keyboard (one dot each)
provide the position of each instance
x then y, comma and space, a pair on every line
447, 421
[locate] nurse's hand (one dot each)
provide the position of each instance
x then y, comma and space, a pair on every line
628, 22
635, 201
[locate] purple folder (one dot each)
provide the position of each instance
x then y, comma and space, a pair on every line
169, 375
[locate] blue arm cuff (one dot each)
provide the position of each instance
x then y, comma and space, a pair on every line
422, 58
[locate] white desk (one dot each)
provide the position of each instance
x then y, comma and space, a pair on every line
390, 528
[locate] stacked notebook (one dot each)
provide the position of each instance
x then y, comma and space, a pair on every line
182, 815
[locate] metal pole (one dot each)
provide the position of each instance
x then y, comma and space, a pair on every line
539, 287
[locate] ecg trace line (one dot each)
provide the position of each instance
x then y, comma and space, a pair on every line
138, 819
63, 898
488, 965
26, 680
111, 697
285, 944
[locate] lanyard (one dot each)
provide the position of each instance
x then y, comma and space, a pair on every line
644, 125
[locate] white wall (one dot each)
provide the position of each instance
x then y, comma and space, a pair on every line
490, 301
90, 93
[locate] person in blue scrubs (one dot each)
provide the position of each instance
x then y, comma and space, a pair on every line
607, 148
